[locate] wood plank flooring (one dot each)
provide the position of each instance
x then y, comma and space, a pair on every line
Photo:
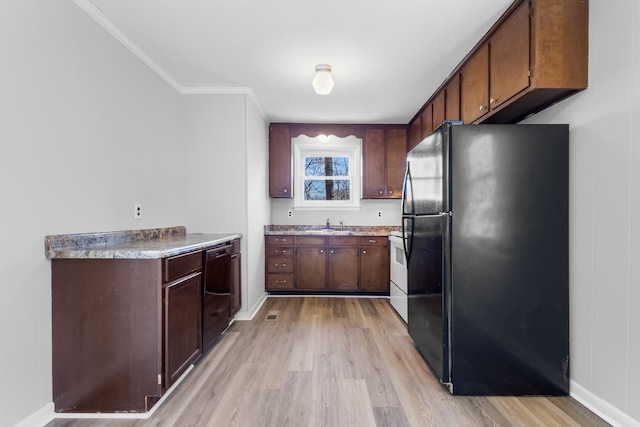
332, 362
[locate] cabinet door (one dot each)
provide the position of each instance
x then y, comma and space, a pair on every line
182, 325
427, 121
280, 162
374, 269
396, 161
452, 99
474, 86
415, 133
438, 108
509, 57
343, 268
310, 268
235, 302
373, 168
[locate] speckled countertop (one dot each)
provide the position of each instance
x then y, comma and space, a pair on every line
149, 243
314, 230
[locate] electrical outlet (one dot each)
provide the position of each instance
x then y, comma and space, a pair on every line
137, 211
290, 213
379, 214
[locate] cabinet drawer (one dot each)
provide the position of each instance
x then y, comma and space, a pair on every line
343, 241
181, 265
280, 281
310, 240
280, 265
279, 251
280, 240
374, 241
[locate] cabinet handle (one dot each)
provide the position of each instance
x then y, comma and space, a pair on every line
281, 281
281, 251
373, 241
281, 265
281, 240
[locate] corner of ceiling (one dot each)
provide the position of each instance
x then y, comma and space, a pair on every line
95, 13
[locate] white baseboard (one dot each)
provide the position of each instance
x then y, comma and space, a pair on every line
39, 418
602, 408
249, 315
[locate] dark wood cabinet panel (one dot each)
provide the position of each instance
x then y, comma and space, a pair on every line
384, 152
106, 334
415, 132
396, 161
438, 108
373, 167
427, 121
374, 269
509, 57
452, 100
280, 162
182, 325
474, 86
343, 268
310, 265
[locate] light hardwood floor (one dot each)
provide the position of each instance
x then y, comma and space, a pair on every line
332, 362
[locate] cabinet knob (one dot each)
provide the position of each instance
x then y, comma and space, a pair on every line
332, 251
390, 191
491, 101
364, 252
481, 108
380, 191
286, 191
321, 251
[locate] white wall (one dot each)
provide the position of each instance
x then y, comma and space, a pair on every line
226, 145
86, 131
366, 215
605, 215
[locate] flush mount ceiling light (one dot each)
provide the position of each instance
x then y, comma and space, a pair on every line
323, 82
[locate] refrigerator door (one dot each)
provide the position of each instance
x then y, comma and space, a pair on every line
426, 181
509, 237
428, 324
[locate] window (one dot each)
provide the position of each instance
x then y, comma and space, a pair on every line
327, 172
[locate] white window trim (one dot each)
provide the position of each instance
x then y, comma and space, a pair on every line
327, 146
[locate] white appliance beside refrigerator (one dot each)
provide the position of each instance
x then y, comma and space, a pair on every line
398, 270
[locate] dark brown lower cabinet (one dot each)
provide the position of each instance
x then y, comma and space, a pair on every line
310, 267
124, 330
331, 263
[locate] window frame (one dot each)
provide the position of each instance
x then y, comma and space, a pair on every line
327, 146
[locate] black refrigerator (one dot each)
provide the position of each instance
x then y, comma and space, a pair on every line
485, 216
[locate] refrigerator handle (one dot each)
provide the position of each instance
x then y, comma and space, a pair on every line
407, 190
407, 238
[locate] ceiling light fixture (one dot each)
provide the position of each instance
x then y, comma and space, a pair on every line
323, 82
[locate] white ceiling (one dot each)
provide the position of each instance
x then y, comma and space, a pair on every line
388, 57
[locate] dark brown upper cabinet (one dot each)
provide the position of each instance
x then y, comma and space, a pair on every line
535, 55
384, 153
280, 162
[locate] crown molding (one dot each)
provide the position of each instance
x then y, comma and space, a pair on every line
108, 25
95, 13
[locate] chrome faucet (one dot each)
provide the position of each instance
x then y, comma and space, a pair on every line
327, 225
341, 226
